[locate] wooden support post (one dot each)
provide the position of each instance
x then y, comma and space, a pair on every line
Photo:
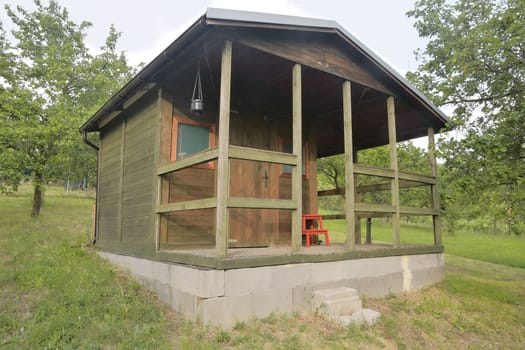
436, 219
349, 167
368, 230
165, 105
297, 178
357, 199
223, 166
393, 165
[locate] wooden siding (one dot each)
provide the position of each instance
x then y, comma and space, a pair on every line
126, 176
191, 228
191, 184
138, 171
110, 181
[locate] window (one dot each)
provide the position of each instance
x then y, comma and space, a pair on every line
189, 137
287, 147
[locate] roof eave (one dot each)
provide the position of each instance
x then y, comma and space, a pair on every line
143, 77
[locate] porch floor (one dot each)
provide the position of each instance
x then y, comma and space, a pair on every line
266, 256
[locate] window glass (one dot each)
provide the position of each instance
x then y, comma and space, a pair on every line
191, 139
288, 148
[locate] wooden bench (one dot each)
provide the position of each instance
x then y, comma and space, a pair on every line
313, 225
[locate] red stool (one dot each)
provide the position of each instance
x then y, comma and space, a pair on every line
313, 225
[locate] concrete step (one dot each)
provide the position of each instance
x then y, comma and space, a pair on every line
334, 293
336, 302
367, 316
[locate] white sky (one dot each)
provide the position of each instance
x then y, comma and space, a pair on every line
150, 26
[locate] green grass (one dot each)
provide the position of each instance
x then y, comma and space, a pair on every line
505, 250
55, 292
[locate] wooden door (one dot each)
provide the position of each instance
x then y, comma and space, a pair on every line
250, 179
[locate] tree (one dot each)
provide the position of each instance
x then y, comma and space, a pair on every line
331, 175
52, 85
475, 62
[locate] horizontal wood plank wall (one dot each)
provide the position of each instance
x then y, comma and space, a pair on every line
110, 182
138, 179
191, 228
190, 184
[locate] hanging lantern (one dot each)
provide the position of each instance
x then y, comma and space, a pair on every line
197, 102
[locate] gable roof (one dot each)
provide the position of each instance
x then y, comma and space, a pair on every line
224, 17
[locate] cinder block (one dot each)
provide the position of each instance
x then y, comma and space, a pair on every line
204, 283
391, 264
278, 301
363, 268
186, 304
372, 286
226, 311
289, 276
326, 272
160, 272
245, 281
424, 277
394, 282
423, 261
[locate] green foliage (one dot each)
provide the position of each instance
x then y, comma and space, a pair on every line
49, 84
474, 62
331, 175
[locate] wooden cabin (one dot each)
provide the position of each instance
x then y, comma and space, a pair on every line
226, 188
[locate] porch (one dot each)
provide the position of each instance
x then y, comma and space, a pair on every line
239, 201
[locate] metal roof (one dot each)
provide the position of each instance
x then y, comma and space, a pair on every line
233, 16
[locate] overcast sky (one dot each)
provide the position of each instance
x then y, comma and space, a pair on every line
149, 26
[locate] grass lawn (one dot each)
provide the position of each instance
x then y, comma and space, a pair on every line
55, 292
506, 250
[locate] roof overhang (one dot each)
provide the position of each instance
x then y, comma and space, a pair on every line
234, 18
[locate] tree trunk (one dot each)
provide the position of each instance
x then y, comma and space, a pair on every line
37, 195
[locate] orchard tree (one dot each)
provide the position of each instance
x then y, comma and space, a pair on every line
474, 62
52, 85
331, 174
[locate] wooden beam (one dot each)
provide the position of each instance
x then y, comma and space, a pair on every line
332, 192
297, 178
392, 142
368, 230
334, 216
423, 179
223, 165
245, 153
126, 104
189, 161
374, 208
413, 211
261, 203
205, 203
349, 167
373, 171
436, 218
385, 186
165, 105
137, 95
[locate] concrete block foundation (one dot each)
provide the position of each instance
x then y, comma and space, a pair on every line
225, 297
